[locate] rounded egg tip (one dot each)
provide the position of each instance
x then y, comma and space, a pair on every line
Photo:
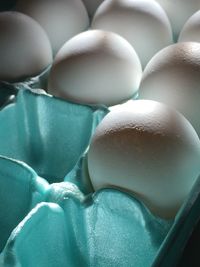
25, 50
95, 67
149, 150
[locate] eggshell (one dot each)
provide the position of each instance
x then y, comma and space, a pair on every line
191, 29
142, 22
173, 77
149, 150
95, 67
92, 6
61, 19
179, 12
25, 50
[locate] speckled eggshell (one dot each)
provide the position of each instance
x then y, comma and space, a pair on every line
142, 22
191, 29
25, 50
179, 12
61, 19
173, 77
148, 150
95, 67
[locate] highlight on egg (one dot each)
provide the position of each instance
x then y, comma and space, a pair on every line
172, 77
25, 50
191, 29
143, 23
95, 67
61, 19
149, 150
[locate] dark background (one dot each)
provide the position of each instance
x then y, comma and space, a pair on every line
7, 4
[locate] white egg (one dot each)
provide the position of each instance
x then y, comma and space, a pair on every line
142, 22
25, 50
173, 77
179, 12
95, 67
191, 29
148, 150
92, 6
62, 19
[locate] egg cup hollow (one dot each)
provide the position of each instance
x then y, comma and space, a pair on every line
74, 228
47, 133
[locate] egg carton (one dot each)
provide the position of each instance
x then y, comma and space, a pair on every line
8, 90
49, 212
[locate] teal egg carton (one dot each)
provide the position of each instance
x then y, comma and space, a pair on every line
8, 90
49, 212
58, 225
47, 133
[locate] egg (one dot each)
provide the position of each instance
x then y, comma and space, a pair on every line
25, 50
149, 150
61, 19
179, 12
191, 29
173, 77
92, 6
142, 22
95, 67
